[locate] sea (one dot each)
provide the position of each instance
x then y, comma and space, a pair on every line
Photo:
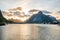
30, 32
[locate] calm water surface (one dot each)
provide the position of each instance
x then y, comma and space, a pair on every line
30, 32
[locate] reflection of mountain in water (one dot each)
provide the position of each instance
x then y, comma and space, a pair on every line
41, 18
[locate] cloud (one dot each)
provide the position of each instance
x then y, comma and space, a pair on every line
6, 4
28, 4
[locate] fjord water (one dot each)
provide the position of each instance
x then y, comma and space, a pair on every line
30, 32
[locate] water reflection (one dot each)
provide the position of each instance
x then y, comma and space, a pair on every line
30, 32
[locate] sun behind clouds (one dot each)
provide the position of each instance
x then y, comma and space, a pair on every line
16, 14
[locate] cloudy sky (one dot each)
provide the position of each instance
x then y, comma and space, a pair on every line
51, 5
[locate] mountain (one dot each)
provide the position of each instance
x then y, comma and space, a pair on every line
41, 18
3, 21
35, 11
33, 16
